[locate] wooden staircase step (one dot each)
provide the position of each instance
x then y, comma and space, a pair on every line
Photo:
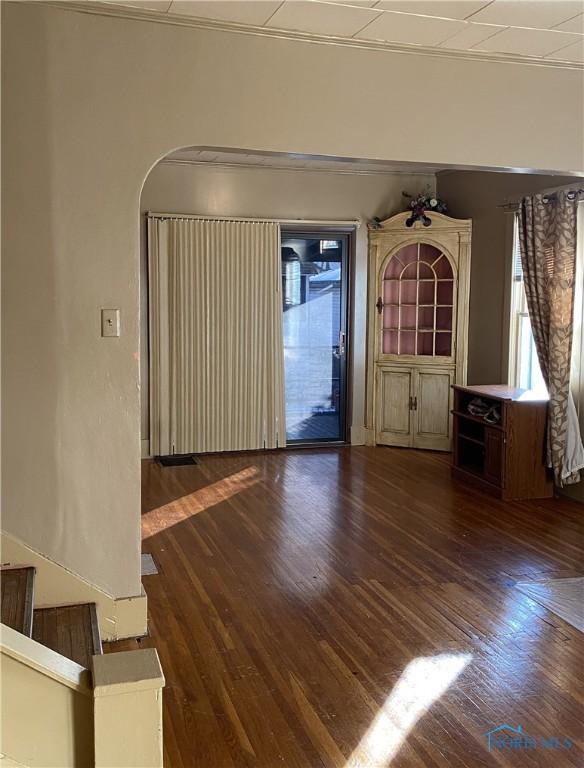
17, 598
71, 630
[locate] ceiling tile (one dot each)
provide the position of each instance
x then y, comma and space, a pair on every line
185, 154
471, 35
573, 25
527, 42
449, 9
541, 14
408, 28
255, 12
305, 162
207, 155
321, 18
574, 52
148, 5
364, 3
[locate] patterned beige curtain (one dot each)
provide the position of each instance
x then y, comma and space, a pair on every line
547, 239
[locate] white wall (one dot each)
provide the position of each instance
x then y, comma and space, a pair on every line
273, 193
89, 105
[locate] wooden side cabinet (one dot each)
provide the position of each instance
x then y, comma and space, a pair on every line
414, 407
499, 441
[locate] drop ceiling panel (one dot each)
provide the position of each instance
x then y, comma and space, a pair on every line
521, 27
541, 14
144, 5
573, 25
364, 3
527, 42
254, 12
449, 9
321, 18
574, 52
298, 162
207, 156
471, 35
407, 28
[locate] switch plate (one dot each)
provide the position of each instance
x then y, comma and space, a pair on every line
110, 322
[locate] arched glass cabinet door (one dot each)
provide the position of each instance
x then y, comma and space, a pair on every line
417, 303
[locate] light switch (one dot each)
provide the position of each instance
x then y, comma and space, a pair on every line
110, 322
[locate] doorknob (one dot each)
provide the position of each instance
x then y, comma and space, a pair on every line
379, 305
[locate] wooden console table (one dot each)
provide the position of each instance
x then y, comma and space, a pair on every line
506, 458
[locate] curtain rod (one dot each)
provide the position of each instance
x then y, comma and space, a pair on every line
513, 205
308, 222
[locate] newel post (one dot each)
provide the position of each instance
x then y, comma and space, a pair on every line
128, 709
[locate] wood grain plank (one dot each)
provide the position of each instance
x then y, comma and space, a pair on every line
17, 598
68, 630
300, 591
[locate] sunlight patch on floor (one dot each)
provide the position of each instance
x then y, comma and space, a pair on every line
422, 683
198, 501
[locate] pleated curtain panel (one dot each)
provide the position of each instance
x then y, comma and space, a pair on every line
216, 349
548, 242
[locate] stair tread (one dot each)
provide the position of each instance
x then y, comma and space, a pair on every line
70, 630
17, 598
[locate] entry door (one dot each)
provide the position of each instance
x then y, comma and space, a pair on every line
314, 298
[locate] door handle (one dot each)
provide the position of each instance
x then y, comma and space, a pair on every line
415, 408
342, 338
379, 305
413, 403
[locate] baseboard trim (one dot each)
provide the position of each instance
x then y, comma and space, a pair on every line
369, 435
145, 450
55, 585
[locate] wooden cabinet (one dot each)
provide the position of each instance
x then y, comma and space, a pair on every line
432, 404
418, 320
414, 407
504, 453
494, 466
394, 394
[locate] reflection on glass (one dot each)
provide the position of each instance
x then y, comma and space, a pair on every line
425, 341
443, 343
312, 290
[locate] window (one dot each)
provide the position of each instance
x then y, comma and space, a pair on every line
524, 370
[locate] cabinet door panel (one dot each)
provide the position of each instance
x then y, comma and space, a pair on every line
494, 455
433, 395
394, 387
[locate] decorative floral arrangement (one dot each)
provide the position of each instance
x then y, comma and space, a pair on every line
423, 202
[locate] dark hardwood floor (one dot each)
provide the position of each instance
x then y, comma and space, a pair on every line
355, 608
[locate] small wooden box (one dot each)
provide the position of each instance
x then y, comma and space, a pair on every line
506, 458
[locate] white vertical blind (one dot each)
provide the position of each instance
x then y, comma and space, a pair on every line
216, 350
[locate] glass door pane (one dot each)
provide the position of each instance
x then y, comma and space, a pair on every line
314, 289
416, 303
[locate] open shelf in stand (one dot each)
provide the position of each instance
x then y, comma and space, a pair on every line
477, 419
470, 439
